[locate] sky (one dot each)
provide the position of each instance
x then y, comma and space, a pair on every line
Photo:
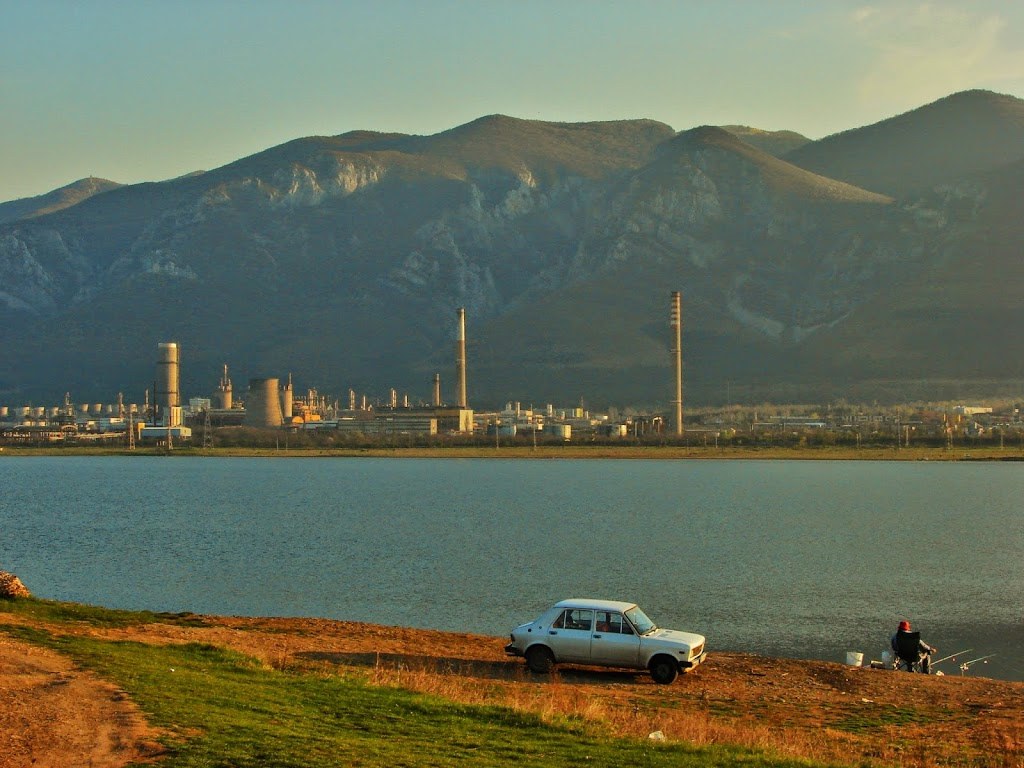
139, 90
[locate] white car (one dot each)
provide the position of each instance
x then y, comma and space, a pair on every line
605, 633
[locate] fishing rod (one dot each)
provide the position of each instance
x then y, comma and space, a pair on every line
952, 656
967, 664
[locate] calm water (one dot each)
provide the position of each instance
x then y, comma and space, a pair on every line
804, 559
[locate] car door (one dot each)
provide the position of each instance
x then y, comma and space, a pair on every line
614, 643
569, 635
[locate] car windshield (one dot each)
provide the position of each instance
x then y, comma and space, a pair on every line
639, 620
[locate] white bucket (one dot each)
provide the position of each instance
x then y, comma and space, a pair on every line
854, 658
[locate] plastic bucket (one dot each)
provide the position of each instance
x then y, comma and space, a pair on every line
854, 658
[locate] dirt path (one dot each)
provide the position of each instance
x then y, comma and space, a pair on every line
63, 717
53, 715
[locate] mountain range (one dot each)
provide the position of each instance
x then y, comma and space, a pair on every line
883, 262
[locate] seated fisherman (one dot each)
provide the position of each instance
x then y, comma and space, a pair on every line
911, 649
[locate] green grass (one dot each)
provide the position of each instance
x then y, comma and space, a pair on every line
221, 708
879, 717
64, 613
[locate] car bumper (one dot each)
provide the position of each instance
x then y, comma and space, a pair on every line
511, 650
692, 663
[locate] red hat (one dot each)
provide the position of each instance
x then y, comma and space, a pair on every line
904, 626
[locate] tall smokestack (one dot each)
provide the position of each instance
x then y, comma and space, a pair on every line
460, 361
166, 390
437, 390
676, 324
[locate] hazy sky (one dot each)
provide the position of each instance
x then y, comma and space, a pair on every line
137, 90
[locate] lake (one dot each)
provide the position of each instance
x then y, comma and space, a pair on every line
796, 558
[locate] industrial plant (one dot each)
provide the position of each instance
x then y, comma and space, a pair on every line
269, 404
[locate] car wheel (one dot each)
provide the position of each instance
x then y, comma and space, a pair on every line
664, 669
539, 659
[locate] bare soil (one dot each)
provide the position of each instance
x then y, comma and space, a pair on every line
52, 714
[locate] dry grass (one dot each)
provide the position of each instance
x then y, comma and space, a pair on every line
626, 716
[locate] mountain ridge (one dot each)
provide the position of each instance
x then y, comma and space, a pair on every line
342, 259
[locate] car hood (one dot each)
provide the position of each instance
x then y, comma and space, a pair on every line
675, 636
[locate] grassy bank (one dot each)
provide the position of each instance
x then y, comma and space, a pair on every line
217, 707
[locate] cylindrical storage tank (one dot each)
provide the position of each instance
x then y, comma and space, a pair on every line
55, 411
287, 403
4, 411
110, 409
262, 404
26, 411
83, 408
562, 431
38, 412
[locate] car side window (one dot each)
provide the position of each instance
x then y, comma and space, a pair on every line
577, 618
612, 623
559, 623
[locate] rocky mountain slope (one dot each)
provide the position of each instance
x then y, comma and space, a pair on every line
344, 258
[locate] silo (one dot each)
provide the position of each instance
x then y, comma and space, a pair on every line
167, 394
262, 404
287, 400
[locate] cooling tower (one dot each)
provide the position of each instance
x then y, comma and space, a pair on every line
676, 324
262, 404
460, 361
167, 395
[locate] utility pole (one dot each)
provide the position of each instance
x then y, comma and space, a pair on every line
207, 430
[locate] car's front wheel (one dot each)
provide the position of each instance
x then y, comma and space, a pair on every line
663, 669
540, 660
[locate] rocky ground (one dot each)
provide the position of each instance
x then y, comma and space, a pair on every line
53, 714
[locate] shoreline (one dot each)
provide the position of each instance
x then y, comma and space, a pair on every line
624, 452
784, 709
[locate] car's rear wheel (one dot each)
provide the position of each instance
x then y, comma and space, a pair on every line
663, 669
540, 660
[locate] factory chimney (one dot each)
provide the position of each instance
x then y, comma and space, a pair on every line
167, 392
676, 324
224, 391
460, 361
437, 390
